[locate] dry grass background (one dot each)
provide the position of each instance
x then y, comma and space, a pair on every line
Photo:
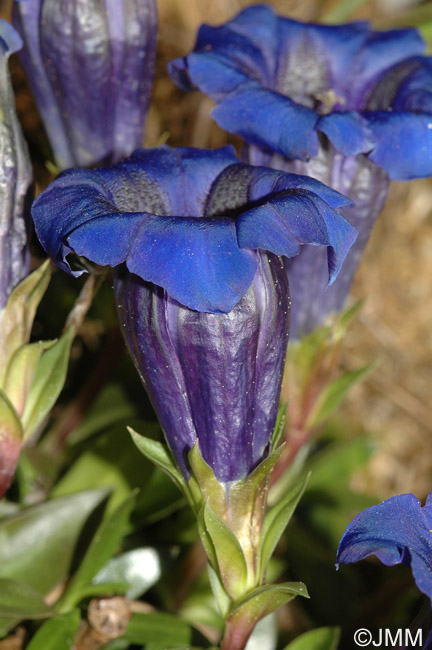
394, 328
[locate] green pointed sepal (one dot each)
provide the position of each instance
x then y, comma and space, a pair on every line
160, 455
257, 604
237, 534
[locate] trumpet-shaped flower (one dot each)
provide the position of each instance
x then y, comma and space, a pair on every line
397, 531
344, 104
90, 65
199, 240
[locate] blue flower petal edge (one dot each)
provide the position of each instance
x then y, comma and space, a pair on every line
189, 220
399, 530
279, 83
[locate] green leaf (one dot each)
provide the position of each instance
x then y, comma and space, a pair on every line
264, 600
16, 319
275, 522
323, 638
20, 372
139, 568
333, 467
206, 540
231, 563
157, 627
48, 382
56, 634
222, 599
158, 454
102, 547
110, 407
110, 460
37, 545
343, 10
334, 394
10, 424
18, 600
279, 426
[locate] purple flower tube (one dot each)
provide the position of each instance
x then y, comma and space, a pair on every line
15, 177
344, 104
199, 242
90, 65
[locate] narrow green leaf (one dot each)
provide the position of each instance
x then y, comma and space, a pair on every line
157, 627
343, 10
158, 454
56, 634
279, 426
264, 600
18, 600
334, 394
276, 520
349, 314
323, 638
48, 382
223, 601
110, 460
37, 545
10, 424
102, 547
20, 372
231, 562
332, 468
16, 319
206, 540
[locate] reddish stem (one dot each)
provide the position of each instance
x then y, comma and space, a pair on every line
237, 633
9, 454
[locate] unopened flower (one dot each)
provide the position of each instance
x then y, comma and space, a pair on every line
344, 104
90, 65
15, 177
201, 291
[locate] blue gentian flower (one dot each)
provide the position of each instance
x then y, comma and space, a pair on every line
201, 290
90, 66
345, 104
397, 531
15, 177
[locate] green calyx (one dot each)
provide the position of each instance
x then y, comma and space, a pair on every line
238, 534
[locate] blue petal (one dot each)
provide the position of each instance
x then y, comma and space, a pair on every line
197, 261
381, 51
268, 119
403, 143
323, 53
10, 40
184, 175
74, 198
265, 181
223, 58
106, 239
214, 73
397, 530
284, 223
415, 91
347, 131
